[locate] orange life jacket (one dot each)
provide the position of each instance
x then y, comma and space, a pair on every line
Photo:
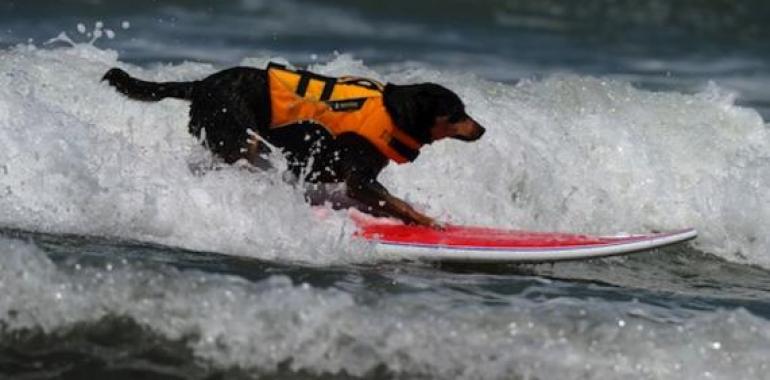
341, 105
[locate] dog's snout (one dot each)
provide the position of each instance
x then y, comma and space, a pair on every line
480, 131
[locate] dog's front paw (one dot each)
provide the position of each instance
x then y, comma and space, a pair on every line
427, 221
436, 225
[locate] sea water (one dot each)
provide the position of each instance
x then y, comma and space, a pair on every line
127, 250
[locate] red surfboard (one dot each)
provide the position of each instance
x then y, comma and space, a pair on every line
483, 244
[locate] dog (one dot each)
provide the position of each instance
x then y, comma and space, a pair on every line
331, 130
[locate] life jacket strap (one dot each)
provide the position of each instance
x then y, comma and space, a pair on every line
304, 81
328, 89
404, 144
403, 150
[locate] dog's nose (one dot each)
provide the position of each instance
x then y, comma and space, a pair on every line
479, 130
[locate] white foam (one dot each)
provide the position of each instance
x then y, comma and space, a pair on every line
566, 153
585, 154
78, 158
228, 322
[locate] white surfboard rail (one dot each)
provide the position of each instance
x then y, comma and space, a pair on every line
634, 243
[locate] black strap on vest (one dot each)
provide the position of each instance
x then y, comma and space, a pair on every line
302, 86
405, 151
328, 88
304, 81
329, 82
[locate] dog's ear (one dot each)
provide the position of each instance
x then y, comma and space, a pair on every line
412, 109
426, 104
445, 102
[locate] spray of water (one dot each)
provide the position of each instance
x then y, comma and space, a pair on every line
565, 153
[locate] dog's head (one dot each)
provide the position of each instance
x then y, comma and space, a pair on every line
430, 112
450, 119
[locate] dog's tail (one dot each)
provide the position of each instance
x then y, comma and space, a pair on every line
147, 91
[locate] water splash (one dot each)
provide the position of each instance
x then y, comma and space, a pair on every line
98, 32
566, 153
229, 322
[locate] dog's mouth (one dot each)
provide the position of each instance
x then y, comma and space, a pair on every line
475, 131
465, 129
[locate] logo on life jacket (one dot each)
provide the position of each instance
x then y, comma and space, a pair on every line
341, 105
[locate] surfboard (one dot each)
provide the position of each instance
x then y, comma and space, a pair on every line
484, 244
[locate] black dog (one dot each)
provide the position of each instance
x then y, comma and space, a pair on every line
231, 105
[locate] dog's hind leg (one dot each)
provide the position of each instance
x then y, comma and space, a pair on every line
257, 152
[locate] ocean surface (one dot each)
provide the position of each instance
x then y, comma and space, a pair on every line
123, 256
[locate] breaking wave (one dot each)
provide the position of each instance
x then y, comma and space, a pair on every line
566, 152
